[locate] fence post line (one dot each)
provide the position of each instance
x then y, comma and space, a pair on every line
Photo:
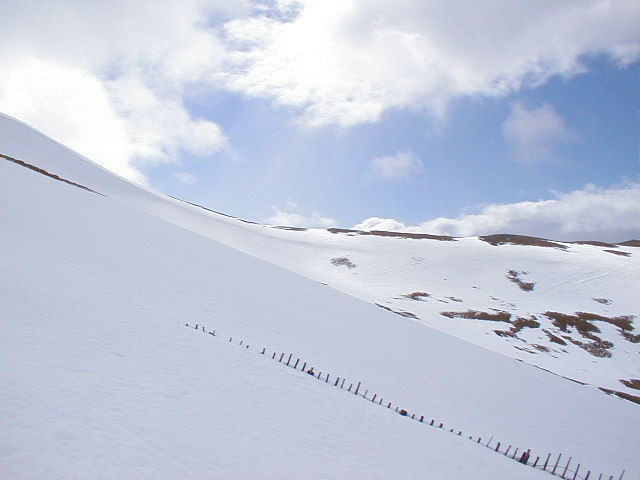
413, 415
273, 357
342, 384
576, 474
566, 468
479, 439
241, 342
389, 406
515, 453
337, 380
319, 373
600, 477
327, 380
507, 452
263, 349
350, 387
622, 474
587, 477
556, 465
431, 422
365, 393
497, 447
441, 425
380, 402
289, 359
489, 442
304, 367
546, 461
196, 326
357, 388
396, 409
230, 338
421, 418
536, 462
296, 365
374, 397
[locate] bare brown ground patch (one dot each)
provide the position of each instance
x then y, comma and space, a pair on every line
419, 296
553, 338
499, 316
542, 348
595, 243
294, 229
618, 252
399, 312
503, 238
633, 383
626, 396
514, 276
604, 301
338, 261
382, 233
630, 243
47, 174
583, 323
518, 324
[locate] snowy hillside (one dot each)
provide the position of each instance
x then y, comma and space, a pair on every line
101, 378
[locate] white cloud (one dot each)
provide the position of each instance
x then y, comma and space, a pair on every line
401, 166
593, 213
109, 79
184, 177
345, 62
291, 219
536, 134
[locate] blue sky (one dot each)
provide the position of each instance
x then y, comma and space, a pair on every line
459, 119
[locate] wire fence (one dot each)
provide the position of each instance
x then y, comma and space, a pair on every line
548, 463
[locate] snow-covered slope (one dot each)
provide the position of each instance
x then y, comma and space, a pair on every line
101, 379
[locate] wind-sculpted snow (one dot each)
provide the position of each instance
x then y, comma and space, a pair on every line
101, 380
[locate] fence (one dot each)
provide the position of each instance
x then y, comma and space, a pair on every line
555, 467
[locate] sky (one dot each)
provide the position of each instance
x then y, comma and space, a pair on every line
459, 118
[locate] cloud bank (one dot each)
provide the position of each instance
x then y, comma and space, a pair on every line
593, 213
346, 62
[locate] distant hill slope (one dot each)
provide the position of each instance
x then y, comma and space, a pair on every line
100, 378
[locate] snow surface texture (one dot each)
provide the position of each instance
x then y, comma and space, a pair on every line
100, 379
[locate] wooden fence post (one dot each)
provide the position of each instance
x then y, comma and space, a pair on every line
304, 367
576, 473
241, 342
273, 357
357, 388
441, 425
350, 387
622, 474
536, 462
479, 439
281, 357
566, 468
497, 447
546, 462
507, 452
515, 452
421, 418
374, 397
289, 359
319, 373
327, 380
413, 416
380, 402
263, 349
431, 422
556, 465
296, 365
587, 477
196, 326
365, 393
342, 384
389, 406
230, 338
337, 380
